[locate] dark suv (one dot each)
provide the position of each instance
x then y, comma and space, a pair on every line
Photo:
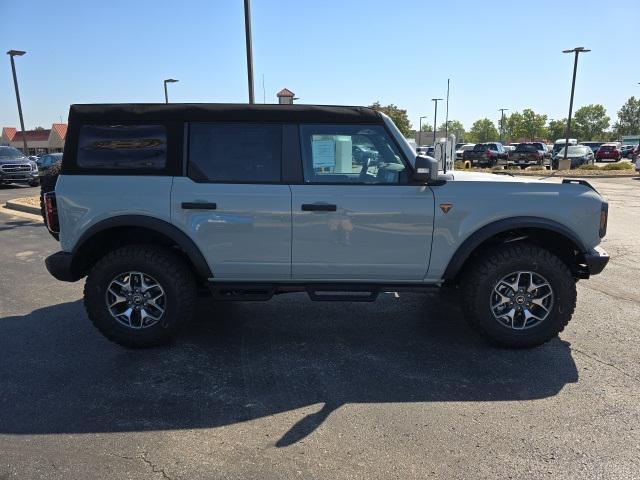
486, 154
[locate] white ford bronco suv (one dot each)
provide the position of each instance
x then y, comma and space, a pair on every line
156, 204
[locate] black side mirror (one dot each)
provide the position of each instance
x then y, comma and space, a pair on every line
426, 169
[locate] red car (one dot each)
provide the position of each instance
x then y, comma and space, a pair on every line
609, 151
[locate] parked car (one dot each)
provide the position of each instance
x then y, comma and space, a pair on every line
151, 227
45, 162
594, 146
460, 151
16, 168
559, 144
426, 150
509, 149
609, 151
527, 154
486, 154
627, 151
578, 154
638, 164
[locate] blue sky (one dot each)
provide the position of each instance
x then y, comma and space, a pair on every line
497, 54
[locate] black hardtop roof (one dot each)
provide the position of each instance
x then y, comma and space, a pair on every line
225, 112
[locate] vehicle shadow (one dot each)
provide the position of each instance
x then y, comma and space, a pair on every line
10, 225
242, 361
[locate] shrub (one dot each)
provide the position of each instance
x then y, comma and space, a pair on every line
536, 167
589, 167
458, 165
618, 166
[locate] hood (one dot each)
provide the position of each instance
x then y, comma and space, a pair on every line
463, 176
14, 160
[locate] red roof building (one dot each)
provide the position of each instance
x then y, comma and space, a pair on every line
38, 141
285, 96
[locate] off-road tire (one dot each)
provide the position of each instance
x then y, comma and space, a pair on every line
480, 277
167, 268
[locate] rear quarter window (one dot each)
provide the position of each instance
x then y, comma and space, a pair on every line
122, 147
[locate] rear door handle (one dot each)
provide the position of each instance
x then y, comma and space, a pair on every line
199, 206
319, 207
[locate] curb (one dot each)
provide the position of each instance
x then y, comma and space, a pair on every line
21, 207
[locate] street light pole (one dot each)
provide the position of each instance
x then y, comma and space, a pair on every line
247, 32
18, 53
168, 80
502, 110
435, 118
577, 51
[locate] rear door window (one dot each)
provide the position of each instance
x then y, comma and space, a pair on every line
122, 147
235, 153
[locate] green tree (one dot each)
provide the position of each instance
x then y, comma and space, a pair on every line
482, 130
527, 125
556, 129
455, 127
512, 127
398, 115
533, 124
590, 122
426, 127
628, 118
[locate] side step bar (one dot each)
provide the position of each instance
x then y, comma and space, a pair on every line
342, 294
318, 292
242, 292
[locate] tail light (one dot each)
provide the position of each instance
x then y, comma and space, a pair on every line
487, 153
604, 215
51, 212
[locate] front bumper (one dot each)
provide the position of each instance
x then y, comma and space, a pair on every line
596, 259
26, 177
60, 267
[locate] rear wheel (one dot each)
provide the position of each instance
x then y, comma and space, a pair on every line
518, 296
140, 295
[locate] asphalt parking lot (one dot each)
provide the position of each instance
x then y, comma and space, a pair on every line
400, 388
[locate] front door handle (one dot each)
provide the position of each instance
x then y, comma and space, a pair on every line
199, 206
319, 207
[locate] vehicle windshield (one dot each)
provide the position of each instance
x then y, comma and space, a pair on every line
481, 147
574, 151
607, 148
10, 153
526, 147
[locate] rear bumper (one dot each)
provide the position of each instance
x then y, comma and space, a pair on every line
596, 259
59, 266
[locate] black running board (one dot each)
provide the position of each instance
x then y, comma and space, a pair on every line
318, 292
342, 294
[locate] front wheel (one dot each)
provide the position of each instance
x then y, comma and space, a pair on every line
140, 295
518, 296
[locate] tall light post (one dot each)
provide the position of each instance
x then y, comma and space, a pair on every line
420, 130
577, 51
435, 117
166, 95
502, 110
247, 32
18, 53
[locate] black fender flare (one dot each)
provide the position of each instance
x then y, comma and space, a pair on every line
161, 226
474, 240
